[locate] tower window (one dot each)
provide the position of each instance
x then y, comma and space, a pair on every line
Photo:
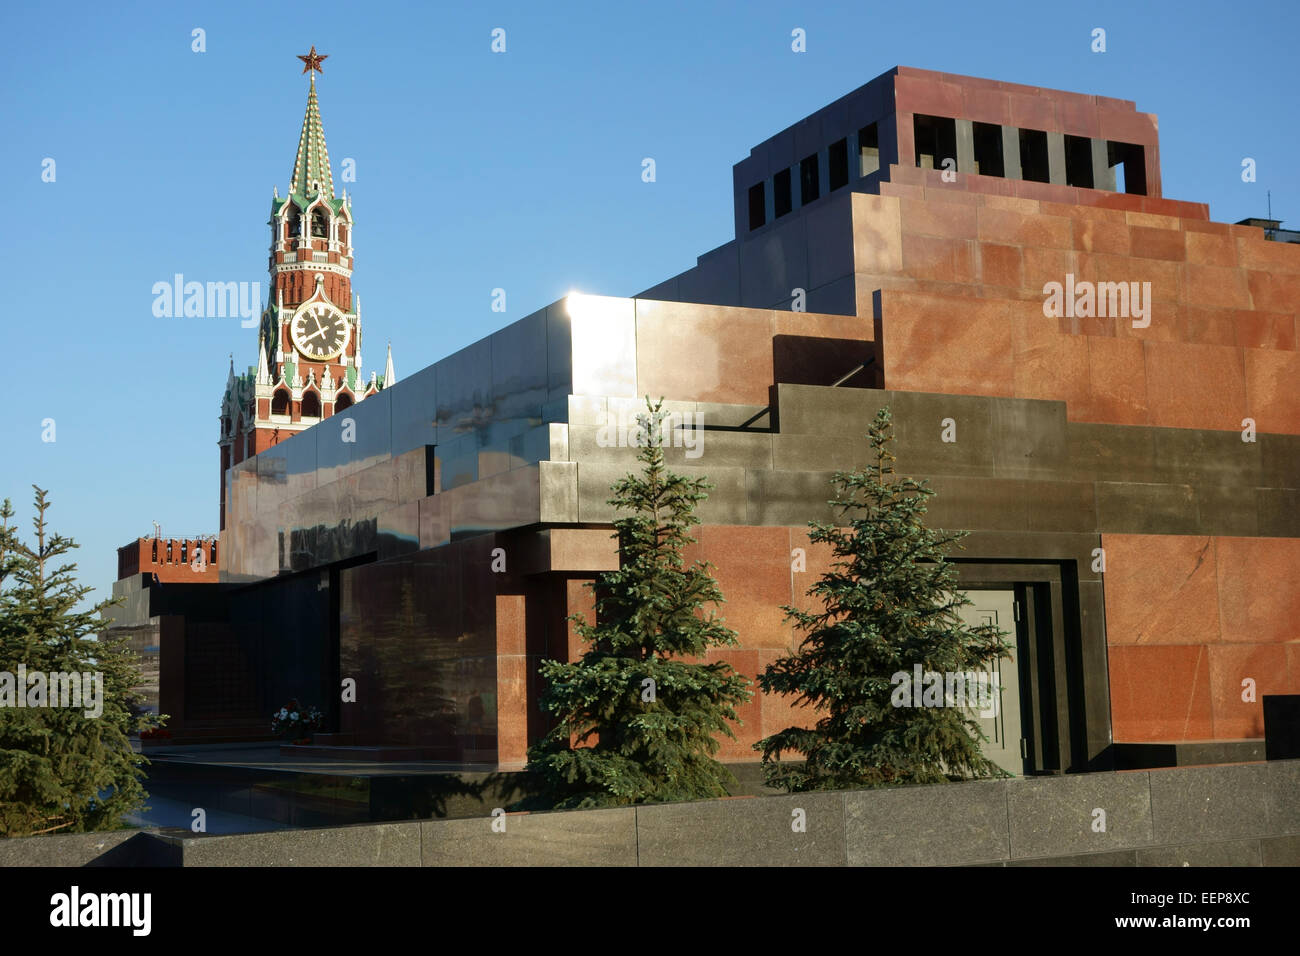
757, 205
838, 165
809, 187
320, 226
936, 141
310, 405
280, 403
868, 150
1078, 161
988, 149
295, 223
1033, 155
1129, 165
781, 193
344, 400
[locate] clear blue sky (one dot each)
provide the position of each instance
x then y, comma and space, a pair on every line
474, 171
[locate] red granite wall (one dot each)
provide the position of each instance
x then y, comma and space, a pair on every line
712, 353
962, 274
1188, 619
1028, 107
754, 567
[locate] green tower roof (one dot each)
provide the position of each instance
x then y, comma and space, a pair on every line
312, 164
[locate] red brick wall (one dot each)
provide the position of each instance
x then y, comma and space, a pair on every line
300, 286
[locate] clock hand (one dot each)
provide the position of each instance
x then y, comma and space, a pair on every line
308, 338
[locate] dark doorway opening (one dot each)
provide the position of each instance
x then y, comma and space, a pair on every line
1033, 156
936, 140
988, 149
868, 150
809, 185
1078, 162
781, 194
1128, 162
838, 165
757, 205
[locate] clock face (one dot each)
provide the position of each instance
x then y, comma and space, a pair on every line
319, 332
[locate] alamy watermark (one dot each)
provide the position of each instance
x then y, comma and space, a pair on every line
211, 300
129, 910
55, 689
1086, 300
973, 690
678, 429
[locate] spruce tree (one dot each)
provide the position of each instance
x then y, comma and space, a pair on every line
888, 602
636, 716
61, 770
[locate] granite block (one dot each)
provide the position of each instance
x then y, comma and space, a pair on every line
804, 829
572, 838
938, 825
1057, 815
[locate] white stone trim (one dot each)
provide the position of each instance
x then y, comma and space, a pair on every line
308, 266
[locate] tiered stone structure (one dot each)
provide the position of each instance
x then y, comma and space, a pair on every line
1133, 478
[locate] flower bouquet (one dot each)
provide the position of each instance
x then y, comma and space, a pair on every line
296, 722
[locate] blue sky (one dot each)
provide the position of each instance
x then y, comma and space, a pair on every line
474, 171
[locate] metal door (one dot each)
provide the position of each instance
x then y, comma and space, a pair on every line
1002, 727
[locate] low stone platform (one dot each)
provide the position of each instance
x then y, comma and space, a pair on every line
1230, 815
312, 786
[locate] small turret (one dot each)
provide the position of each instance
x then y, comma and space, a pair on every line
263, 372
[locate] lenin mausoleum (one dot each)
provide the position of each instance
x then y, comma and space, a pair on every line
1099, 382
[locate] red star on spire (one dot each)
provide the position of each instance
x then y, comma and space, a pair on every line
313, 59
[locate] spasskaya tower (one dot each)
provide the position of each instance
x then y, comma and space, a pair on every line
309, 338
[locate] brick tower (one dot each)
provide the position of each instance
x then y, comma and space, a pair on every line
309, 338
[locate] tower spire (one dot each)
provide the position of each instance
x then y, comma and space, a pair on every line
309, 332
389, 375
311, 165
263, 372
